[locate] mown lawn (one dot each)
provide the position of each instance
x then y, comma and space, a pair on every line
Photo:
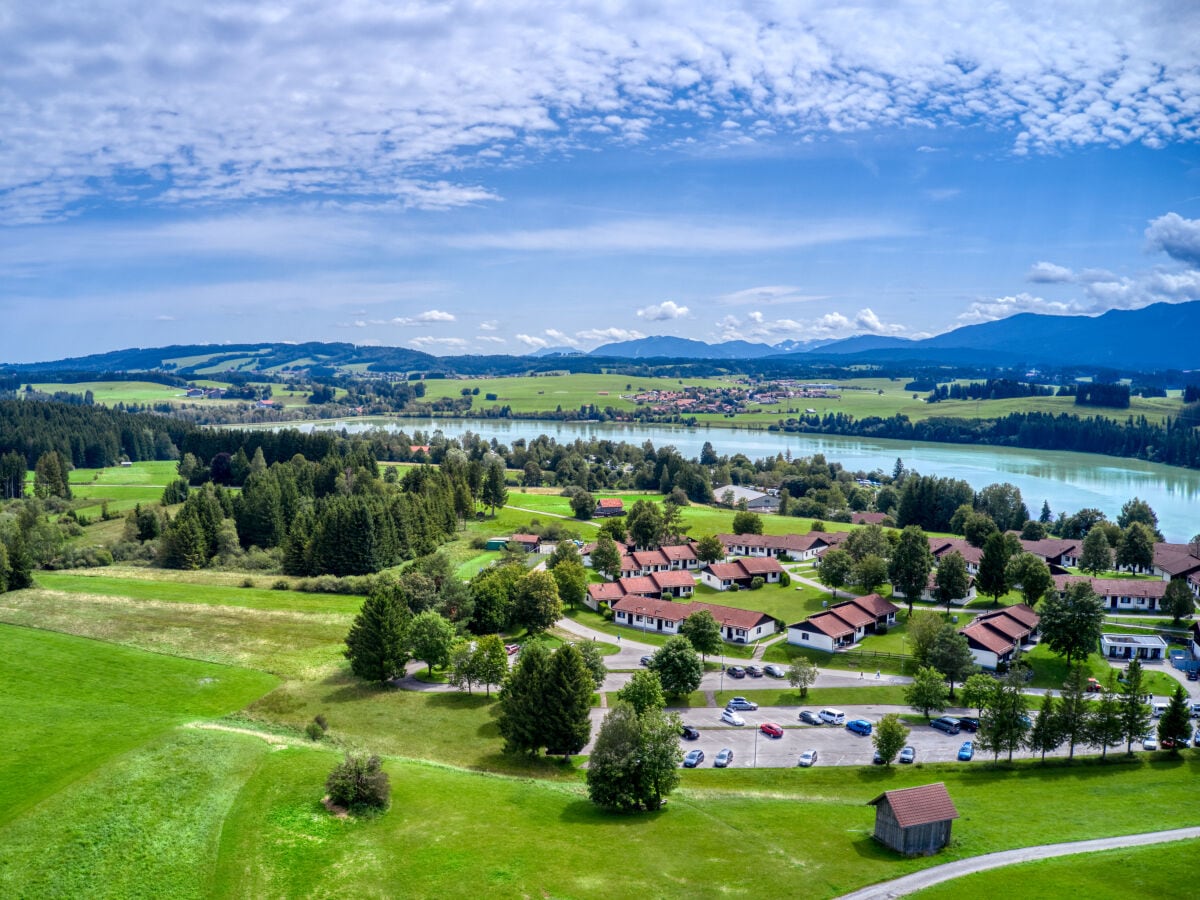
71, 704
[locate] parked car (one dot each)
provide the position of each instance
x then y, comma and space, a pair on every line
736, 672
908, 755
808, 717
966, 752
808, 758
948, 724
1193, 675
1171, 744
512, 649
693, 759
724, 758
859, 726
770, 729
729, 717
1149, 742
968, 723
775, 671
741, 703
690, 733
754, 671
1094, 686
877, 759
645, 660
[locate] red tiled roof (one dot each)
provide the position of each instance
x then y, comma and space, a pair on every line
1024, 614
939, 547
723, 571
610, 503
677, 552
526, 539
828, 624
852, 615
1175, 562
990, 638
876, 605
1116, 587
759, 565
868, 518
919, 805
640, 584
677, 612
650, 558
1050, 548
606, 590
1007, 626
673, 579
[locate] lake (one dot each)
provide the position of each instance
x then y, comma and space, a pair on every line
1069, 481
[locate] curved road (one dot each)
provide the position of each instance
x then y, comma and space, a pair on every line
901, 887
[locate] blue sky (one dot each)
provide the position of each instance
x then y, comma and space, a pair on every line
468, 177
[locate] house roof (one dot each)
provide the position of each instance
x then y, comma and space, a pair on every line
743, 568
875, 605
675, 552
796, 542
857, 612
673, 579
650, 558
526, 539
677, 612
919, 805
853, 615
868, 518
1007, 626
1175, 562
606, 590
989, 638
1023, 613
1051, 548
828, 624
1116, 587
640, 584
759, 565
610, 503
939, 547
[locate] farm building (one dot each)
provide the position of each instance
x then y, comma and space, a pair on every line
756, 501
608, 506
914, 821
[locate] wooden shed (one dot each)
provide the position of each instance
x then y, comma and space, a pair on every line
914, 821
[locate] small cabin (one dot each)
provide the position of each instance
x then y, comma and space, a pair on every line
914, 821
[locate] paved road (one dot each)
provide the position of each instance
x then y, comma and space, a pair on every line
909, 884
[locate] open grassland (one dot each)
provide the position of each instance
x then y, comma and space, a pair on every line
859, 397
121, 487
1112, 875
109, 393
72, 704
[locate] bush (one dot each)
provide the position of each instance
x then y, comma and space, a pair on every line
359, 782
281, 585
247, 582
756, 582
132, 551
606, 613
785, 579
82, 558
881, 630
735, 587
320, 719
314, 731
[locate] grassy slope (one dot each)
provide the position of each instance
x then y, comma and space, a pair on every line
72, 704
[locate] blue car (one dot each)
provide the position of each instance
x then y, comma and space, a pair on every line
966, 752
859, 726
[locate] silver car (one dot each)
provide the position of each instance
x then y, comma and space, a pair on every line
724, 758
808, 758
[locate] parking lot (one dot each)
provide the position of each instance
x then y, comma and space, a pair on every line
835, 745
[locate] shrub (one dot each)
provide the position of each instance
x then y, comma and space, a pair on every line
247, 582
359, 782
735, 587
280, 585
785, 579
132, 551
314, 731
606, 613
756, 582
320, 719
881, 630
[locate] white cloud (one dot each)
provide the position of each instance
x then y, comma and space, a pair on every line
429, 317
755, 317
609, 335
559, 337
532, 341
867, 320
661, 312
1177, 237
1049, 273
1003, 307
940, 194
490, 338
164, 318
428, 341
767, 295
832, 322
488, 326
373, 104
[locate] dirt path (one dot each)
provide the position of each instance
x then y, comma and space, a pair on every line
901, 887
542, 512
277, 741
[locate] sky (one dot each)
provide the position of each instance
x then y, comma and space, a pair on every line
500, 177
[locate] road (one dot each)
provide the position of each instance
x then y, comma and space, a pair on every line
901, 887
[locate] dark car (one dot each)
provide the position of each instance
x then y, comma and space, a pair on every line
754, 671
646, 660
736, 672
877, 759
808, 717
693, 759
908, 755
724, 758
770, 729
968, 723
1193, 675
690, 733
948, 724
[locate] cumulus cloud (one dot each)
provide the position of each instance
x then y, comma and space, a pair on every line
488, 326
867, 320
429, 317
1049, 273
375, 103
490, 338
1177, 237
448, 342
1003, 307
661, 312
609, 335
533, 341
561, 337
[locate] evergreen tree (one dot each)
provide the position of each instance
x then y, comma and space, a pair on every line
1175, 726
1005, 719
495, 494
952, 579
521, 701
1135, 550
20, 563
1135, 713
1046, 517
182, 545
911, 564
927, 693
1104, 726
1096, 556
12, 476
1074, 711
993, 568
1046, 733
567, 699
377, 645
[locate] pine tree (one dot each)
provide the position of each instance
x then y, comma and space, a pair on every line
1046, 733
1074, 710
494, 492
911, 564
521, 701
567, 700
1135, 713
1104, 725
951, 655
1175, 726
377, 644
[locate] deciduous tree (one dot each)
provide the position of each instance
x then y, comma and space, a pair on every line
430, 637
709, 549
802, 674
572, 579
835, 570
745, 522
1031, 576
870, 573
951, 655
1005, 720
1135, 550
952, 580
491, 661
993, 568
635, 761
1178, 601
889, 737
593, 659
927, 692
359, 782
1071, 622
923, 627
703, 631
911, 564
1096, 556
977, 690
536, 604
678, 666
643, 692
606, 558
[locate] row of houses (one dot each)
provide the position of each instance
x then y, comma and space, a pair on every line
680, 583
996, 637
738, 626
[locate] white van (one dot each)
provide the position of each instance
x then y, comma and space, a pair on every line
1158, 709
831, 716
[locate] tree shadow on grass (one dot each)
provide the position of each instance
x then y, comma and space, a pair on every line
584, 812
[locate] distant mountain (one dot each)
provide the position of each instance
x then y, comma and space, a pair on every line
1162, 336
556, 351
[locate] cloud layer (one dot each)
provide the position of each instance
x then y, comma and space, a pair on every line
390, 104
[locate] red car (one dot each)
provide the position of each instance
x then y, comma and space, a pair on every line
771, 729
510, 649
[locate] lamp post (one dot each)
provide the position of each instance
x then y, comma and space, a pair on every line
756, 731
